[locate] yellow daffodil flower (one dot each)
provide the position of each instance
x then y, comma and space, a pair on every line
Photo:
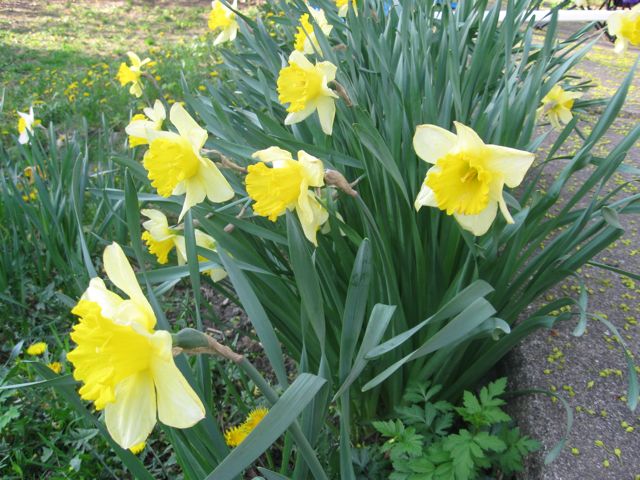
304, 87
557, 105
161, 239
55, 366
343, 7
126, 366
224, 19
236, 435
467, 176
625, 25
305, 40
285, 186
36, 349
26, 122
152, 119
131, 74
205, 241
175, 166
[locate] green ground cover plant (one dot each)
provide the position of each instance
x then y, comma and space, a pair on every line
349, 313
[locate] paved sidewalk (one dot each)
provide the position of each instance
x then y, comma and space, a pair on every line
590, 371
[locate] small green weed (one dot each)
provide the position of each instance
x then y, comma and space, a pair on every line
437, 441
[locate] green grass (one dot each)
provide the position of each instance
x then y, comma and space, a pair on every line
63, 59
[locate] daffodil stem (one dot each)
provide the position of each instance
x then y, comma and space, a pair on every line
305, 448
189, 340
225, 161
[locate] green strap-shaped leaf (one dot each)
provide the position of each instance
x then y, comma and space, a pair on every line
294, 400
257, 316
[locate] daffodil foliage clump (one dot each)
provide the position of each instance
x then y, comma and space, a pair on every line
365, 176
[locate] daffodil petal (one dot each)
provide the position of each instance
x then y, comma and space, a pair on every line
121, 274
425, 198
478, 224
326, 113
97, 292
504, 209
565, 115
328, 69
312, 218
313, 168
178, 405
432, 142
187, 126
273, 155
216, 185
131, 418
468, 139
195, 193
300, 59
510, 163
296, 117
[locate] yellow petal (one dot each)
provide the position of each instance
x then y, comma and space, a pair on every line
312, 215
512, 164
478, 224
432, 142
468, 139
187, 126
425, 198
275, 155
131, 418
121, 274
108, 301
313, 169
178, 405
216, 186
326, 113
195, 194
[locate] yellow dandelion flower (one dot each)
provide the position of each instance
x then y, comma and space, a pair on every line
467, 176
175, 166
138, 448
55, 366
625, 25
235, 436
557, 105
126, 366
254, 418
224, 19
304, 87
131, 74
151, 119
285, 186
36, 349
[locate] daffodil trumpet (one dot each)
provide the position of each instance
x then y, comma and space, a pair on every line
285, 186
467, 176
176, 166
